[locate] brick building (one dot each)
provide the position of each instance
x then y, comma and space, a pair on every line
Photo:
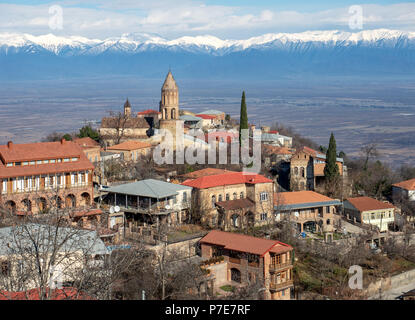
311, 211
37, 177
249, 259
132, 150
218, 198
307, 169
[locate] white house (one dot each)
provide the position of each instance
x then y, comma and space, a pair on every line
405, 189
367, 210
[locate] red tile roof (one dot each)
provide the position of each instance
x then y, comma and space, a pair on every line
269, 149
224, 179
56, 294
407, 184
149, 111
43, 151
204, 172
86, 142
242, 243
299, 197
205, 116
39, 151
130, 145
367, 204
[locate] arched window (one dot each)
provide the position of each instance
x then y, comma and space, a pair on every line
302, 171
227, 197
173, 113
296, 171
241, 196
213, 201
220, 197
235, 196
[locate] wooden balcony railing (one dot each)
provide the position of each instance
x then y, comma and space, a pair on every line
281, 285
275, 267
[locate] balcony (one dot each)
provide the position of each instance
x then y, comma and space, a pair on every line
278, 286
276, 267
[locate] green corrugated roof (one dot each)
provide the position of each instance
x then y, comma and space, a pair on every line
211, 112
149, 188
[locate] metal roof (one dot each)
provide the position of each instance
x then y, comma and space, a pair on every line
188, 117
149, 188
211, 111
306, 205
18, 238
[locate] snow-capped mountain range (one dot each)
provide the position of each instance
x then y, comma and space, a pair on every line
133, 43
369, 51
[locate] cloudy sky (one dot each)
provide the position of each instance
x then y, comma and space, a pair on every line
231, 19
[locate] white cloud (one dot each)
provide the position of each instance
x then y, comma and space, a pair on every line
184, 17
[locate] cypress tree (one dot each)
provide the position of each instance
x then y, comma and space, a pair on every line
243, 122
331, 169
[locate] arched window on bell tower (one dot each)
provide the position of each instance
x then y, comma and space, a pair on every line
173, 113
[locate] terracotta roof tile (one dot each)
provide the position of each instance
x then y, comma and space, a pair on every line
407, 184
298, 197
224, 179
39, 151
366, 204
206, 116
149, 111
277, 150
242, 243
86, 142
204, 172
43, 151
130, 145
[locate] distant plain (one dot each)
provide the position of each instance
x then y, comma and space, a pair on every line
356, 111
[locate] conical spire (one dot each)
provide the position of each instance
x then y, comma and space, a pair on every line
169, 83
127, 104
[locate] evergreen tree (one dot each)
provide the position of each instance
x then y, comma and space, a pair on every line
331, 169
67, 137
87, 131
243, 122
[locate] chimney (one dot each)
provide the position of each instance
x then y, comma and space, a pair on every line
10, 144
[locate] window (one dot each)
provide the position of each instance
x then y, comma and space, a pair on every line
296, 171
59, 160
302, 172
10, 164
220, 197
185, 196
235, 196
52, 161
227, 197
263, 216
32, 162
25, 163
213, 201
241, 196
5, 268
4, 187
75, 159
39, 162
45, 161
264, 196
